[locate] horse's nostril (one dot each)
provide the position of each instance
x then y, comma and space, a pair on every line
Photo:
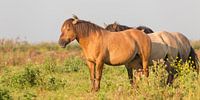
63, 43
60, 42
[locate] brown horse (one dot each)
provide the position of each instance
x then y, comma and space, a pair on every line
167, 45
115, 27
101, 46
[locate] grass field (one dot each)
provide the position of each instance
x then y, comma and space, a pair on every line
46, 71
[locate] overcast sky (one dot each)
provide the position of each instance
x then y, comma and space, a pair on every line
40, 20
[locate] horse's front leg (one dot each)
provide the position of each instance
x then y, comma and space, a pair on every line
92, 74
98, 74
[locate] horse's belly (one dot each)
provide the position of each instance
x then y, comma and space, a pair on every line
120, 57
118, 61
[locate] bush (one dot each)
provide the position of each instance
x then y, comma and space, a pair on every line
5, 94
29, 96
50, 65
185, 84
53, 83
72, 64
29, 77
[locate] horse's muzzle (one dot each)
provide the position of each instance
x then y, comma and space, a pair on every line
63, 43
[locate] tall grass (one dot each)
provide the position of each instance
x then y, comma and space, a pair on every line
18, 53
45, 71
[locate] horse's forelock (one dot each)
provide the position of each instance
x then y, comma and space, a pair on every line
67, 22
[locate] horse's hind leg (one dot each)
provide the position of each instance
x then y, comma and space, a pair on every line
171, 72
130, 73
145, 52
135, 64
145, 67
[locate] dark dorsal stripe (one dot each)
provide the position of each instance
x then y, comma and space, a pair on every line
122, 27
117, 27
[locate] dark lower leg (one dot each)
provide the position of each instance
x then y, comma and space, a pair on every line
171, 72
130, 74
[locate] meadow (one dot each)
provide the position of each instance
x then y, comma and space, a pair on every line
46, 71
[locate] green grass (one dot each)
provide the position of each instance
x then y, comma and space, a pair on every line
70, 80
65, 76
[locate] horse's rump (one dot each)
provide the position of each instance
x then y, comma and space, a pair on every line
172, 44
186, 51
184, 45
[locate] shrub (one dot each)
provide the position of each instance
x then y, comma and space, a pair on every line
72, 64
53, 83
29, 96
5, 94
29, 77
50, 65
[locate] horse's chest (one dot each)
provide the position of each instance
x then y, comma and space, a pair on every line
92, 51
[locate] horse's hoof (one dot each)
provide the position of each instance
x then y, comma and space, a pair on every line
146, 73
96, 89
92, 90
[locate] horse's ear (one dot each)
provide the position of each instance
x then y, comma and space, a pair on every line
105, 25
115, 25
75, 19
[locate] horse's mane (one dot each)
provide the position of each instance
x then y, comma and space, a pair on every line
117, 28
145, 28
83, 27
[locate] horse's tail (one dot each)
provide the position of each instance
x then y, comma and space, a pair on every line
194, 58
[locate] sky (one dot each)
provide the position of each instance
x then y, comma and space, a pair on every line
41, 20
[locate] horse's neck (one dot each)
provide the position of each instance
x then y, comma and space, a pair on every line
92, 38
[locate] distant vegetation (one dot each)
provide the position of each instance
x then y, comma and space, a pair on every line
196, 44
46, 71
